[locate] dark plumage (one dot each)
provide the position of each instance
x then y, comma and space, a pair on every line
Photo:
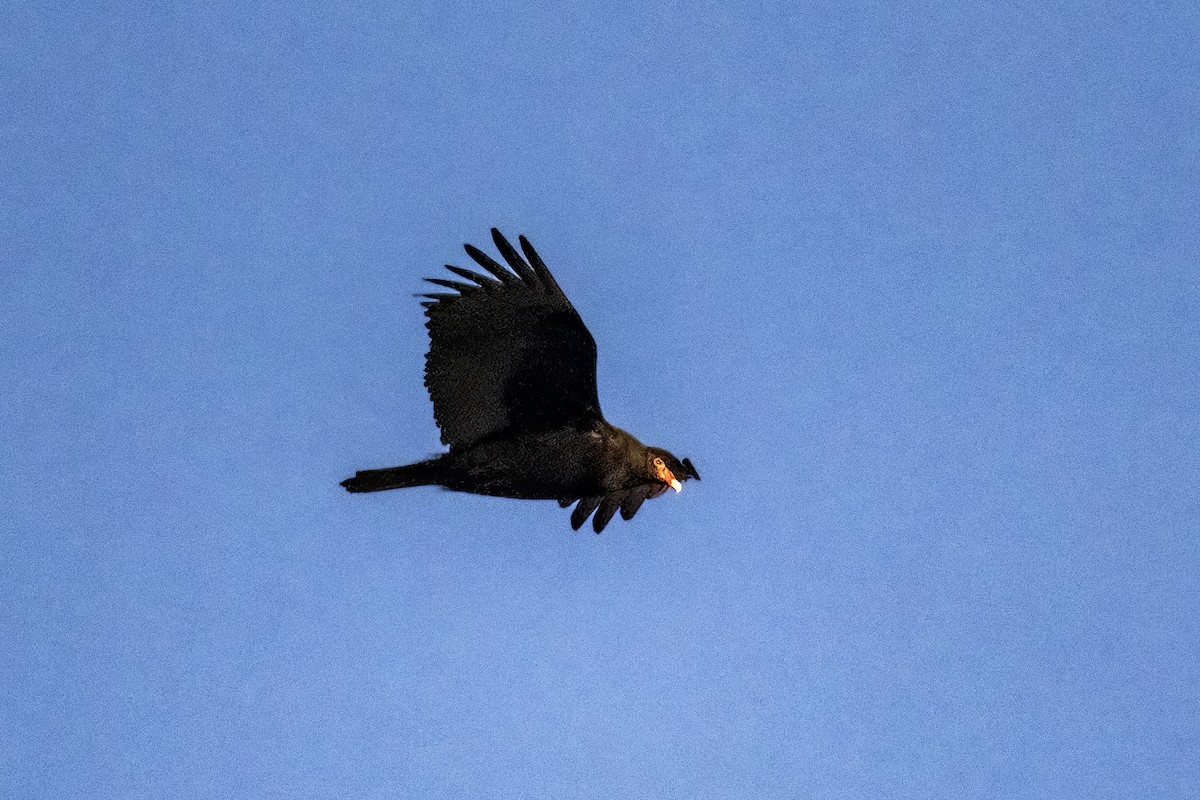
511, 370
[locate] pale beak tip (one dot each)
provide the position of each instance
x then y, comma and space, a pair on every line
676, 485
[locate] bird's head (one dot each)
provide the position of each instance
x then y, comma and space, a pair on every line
666, 469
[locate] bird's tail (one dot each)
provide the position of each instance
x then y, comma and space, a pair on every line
423, 473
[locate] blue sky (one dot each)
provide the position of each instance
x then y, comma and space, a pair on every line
915, 285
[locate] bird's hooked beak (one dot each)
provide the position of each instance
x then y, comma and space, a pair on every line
666, 477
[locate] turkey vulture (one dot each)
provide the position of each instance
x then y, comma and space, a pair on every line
511, 370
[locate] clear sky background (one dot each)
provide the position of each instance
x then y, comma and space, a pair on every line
915, 285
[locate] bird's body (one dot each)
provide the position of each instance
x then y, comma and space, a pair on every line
562, 462
511, 370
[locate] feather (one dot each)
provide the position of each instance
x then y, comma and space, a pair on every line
582, 511
461, 288
633, 501
486, 261
514, 260
482, 280
539, 266
608, 507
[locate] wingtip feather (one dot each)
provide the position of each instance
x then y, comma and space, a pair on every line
513, 258
490, 264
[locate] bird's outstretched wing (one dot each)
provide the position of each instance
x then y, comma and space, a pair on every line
628, 501
507, 350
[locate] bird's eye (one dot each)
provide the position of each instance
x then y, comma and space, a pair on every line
658, 462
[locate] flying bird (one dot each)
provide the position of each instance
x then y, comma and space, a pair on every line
511, 371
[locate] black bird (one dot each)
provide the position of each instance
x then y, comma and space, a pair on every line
511, 370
